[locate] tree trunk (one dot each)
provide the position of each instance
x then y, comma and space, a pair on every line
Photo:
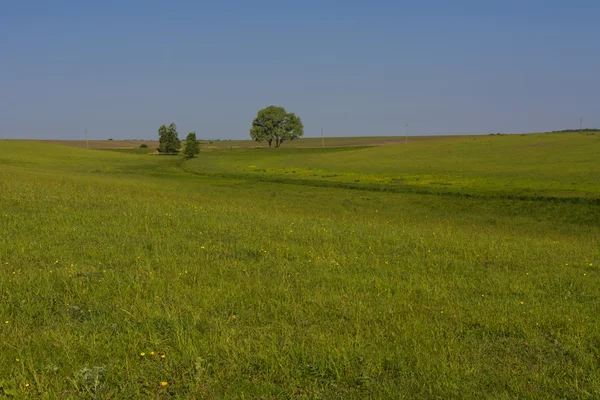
270, 140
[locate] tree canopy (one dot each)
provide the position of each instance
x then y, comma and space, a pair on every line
168, 140
191, 145
274, 125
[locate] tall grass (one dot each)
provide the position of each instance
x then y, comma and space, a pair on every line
124, 276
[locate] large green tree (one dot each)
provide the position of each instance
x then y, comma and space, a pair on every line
191, 145
274, 125
168, 140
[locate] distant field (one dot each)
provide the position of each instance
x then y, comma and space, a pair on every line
321, 142
228, 144
546, 165
102, 144
448, 268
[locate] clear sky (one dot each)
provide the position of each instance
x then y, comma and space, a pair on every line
123, 68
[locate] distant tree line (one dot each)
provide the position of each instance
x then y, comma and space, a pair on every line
578, 130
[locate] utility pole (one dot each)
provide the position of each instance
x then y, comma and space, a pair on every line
322, 138
406, 133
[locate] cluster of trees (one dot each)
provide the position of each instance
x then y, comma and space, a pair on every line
274, 125
169, 142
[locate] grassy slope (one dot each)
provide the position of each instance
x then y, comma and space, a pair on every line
254, 288
530, 165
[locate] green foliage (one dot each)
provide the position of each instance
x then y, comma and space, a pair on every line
191, 145
579, 130
274, 125
168, 139
143, 146
252, 288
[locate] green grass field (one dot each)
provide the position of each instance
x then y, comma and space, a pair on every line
450, 268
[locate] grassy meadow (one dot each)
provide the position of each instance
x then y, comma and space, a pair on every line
449, 268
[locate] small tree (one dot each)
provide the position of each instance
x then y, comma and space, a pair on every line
191, 145
168, 140
275, 125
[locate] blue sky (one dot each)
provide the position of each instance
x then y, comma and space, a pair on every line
123, 68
